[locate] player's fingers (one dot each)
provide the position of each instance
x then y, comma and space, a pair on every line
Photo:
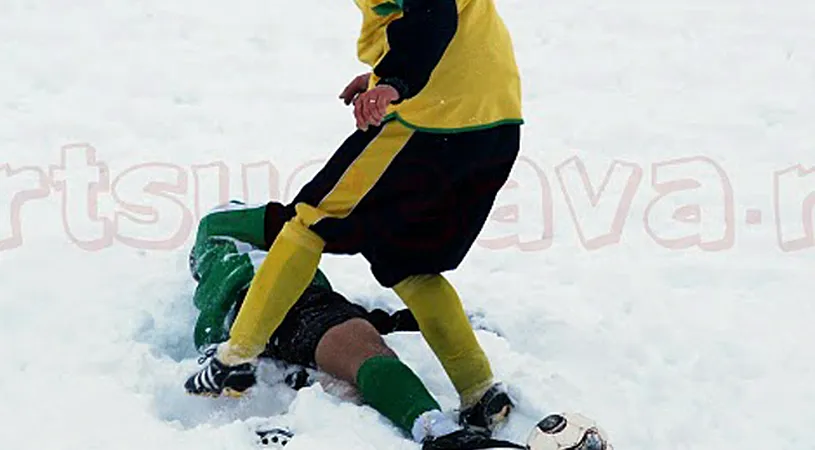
376, 114
381, 108
347, 94
356, 86
372, 112
356, 109
358, 113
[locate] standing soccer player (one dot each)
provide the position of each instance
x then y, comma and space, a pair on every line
438, 133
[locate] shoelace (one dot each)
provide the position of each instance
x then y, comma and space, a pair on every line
208, 353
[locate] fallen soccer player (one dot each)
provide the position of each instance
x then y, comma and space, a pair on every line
323, 331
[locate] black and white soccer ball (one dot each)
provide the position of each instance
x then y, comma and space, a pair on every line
568, 431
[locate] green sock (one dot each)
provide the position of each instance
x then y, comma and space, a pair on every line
390, 387
241, 223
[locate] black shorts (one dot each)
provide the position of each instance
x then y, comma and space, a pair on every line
317, 311
410, 202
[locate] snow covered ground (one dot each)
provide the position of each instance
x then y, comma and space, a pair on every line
673, 303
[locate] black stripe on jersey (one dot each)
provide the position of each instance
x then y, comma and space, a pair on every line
417, 43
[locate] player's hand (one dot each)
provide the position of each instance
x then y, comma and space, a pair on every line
370, 107
357, 86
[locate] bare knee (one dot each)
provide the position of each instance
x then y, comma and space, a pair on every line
345, 348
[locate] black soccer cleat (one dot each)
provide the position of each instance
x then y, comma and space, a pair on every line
467, 439
216, 378
275, 438
490, 412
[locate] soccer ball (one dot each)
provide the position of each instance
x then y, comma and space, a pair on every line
567, 432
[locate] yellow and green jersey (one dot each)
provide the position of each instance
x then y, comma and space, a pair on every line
452, 61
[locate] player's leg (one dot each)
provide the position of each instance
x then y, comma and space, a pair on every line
476, 165
283, 276
326, 331
345, 348
355, 352
292, 261
445, 327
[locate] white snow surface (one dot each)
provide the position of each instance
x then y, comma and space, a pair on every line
667, 346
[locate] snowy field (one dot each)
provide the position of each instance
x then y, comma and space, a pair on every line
650, 265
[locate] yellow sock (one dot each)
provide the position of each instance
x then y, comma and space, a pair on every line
444, 325
282, 278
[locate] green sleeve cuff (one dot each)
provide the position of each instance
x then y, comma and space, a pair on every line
388, 8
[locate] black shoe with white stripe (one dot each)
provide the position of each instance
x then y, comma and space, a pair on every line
275, 438
216, 378
490, 412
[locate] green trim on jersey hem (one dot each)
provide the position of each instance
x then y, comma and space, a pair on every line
388, 8
486, 126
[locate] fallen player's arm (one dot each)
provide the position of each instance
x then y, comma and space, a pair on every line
417, 42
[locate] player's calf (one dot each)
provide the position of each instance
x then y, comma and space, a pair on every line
345, 348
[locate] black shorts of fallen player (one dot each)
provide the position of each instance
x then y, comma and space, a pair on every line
318, 310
